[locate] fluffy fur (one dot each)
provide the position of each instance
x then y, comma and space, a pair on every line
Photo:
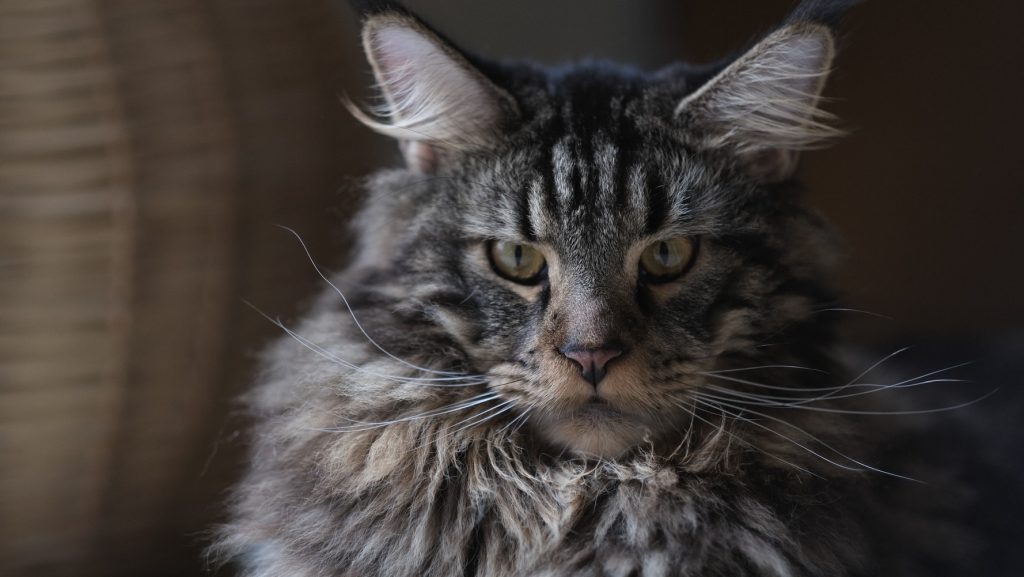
421, 419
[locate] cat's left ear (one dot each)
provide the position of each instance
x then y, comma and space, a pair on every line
435, 101
764, 106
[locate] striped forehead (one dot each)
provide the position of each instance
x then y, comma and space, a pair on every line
593, 186
590, 176
593, 190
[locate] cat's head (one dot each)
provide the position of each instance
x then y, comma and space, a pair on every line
595, 238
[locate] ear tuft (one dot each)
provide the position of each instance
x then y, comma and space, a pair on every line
433, 98
765, 105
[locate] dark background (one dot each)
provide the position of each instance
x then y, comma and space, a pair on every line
148, 148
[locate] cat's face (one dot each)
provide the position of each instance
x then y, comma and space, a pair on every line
600, 289
597, 239
597, 281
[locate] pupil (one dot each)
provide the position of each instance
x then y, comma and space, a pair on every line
663, 253
519, 255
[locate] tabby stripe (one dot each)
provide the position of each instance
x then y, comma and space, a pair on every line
657, 202
606, 158
547, 172
580, 181
591, 151
522, 216
536, 215
563, 166
637, 195
620, 180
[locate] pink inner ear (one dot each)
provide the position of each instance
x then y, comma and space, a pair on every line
396, 53
434, 96
426, 84
810, 54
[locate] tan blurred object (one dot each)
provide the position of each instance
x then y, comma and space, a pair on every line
146, 149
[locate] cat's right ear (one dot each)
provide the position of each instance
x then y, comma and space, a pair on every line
433, 100
764, 107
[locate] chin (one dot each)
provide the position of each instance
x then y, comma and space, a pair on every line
593, 430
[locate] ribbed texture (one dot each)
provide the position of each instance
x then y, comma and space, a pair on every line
146, 151
67, 230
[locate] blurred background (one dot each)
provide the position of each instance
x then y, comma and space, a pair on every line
148, 148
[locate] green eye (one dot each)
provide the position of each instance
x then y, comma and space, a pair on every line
666, 260
516, 262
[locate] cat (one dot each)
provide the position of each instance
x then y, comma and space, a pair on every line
578, 336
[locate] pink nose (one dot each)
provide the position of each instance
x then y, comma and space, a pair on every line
592, 362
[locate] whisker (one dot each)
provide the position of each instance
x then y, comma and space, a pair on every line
801, 445
797, 367
851, 310
873, 389
854, 380
513, 421
470, 379
897, 413
526, 417
938, 371
352, 313
739, 439
779, 387
760, 399
471, 421
687, 437
359, 426
877, 364
459, 405
476, 420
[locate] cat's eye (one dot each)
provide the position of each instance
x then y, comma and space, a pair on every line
517, 262
666, 260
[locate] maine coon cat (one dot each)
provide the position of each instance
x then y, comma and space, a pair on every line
580, 335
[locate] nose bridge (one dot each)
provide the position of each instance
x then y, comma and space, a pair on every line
592, 310
589, 319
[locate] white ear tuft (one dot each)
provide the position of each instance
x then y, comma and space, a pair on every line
764, 106
433, 97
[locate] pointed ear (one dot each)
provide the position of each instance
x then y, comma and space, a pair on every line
435, 102
764, 107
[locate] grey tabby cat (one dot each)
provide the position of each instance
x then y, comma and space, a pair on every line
579, 336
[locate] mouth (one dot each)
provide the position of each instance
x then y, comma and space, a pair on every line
597, 403
599, 410
595, 428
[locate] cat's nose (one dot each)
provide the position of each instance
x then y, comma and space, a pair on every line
593, 362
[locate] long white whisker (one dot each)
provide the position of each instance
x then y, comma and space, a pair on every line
476, 419
876, 365
895, 413
752, 422
526, 416
770, 400
797, 367
849, 310
352, 313
863, 374
513, 421
472, 420
784, 401
688, 436
467, 378
936, 372
366, 426
801, 445
693, 413
782, 388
